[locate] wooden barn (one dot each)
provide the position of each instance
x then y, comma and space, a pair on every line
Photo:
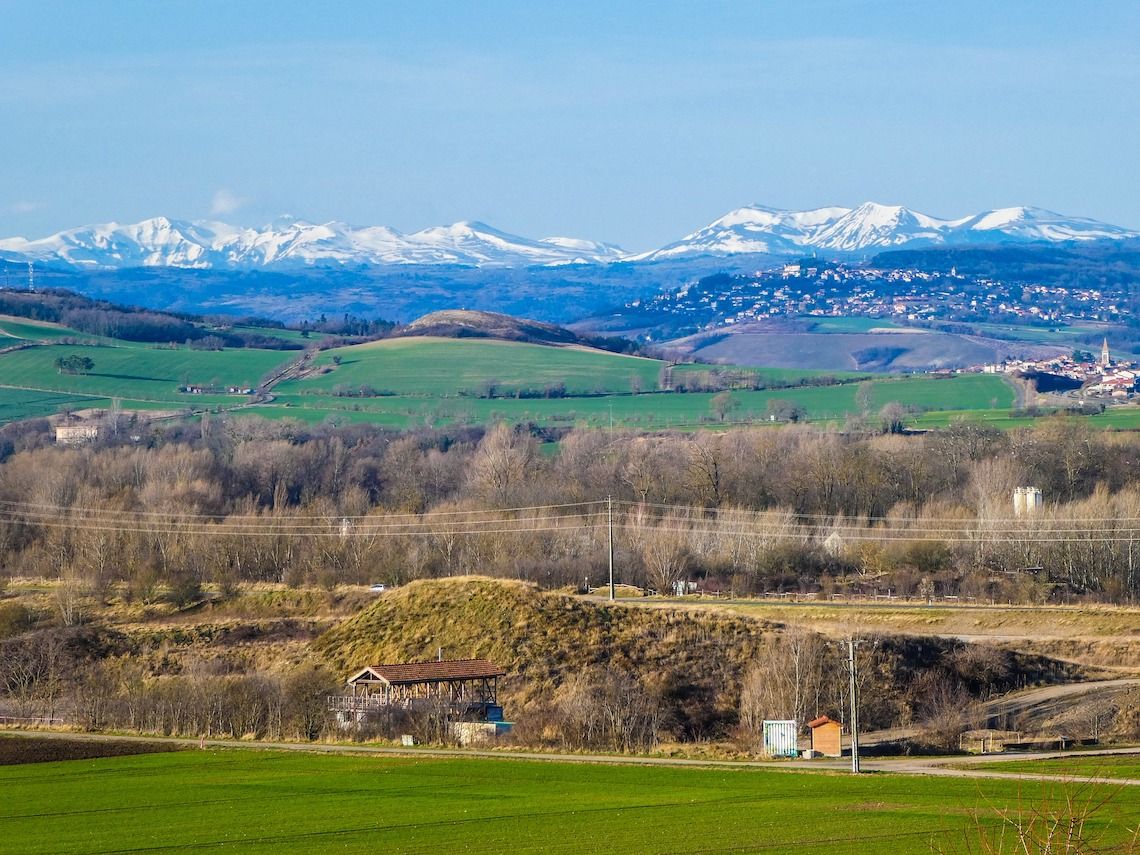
465, 689
826, 736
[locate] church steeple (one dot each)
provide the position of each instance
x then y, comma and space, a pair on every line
1104, 357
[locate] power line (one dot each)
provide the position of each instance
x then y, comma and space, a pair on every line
857, 517
330, 523
426, 514
222, 530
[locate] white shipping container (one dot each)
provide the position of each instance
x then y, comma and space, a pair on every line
781, 739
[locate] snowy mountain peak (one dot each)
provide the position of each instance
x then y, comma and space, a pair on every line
290, 241
752, 229
872, 227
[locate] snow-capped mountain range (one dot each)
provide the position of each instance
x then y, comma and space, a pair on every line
872, 228
288, 242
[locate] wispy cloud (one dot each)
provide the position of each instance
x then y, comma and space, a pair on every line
25, 207
225, 202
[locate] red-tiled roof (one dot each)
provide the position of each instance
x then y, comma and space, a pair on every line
425, 672
816, 722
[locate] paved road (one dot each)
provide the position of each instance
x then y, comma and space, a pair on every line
940, 766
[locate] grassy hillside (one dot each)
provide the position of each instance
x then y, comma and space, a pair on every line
138, 372
24, 329
444, 366
541, 638
463, 323
424, 380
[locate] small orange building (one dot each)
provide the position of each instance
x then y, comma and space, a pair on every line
826, 736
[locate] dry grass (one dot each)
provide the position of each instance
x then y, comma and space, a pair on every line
540, 638
1070, 818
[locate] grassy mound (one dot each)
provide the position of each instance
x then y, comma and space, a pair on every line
465, 323
539, 638
693, 659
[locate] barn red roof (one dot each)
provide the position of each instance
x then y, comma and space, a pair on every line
822, 720
428, 672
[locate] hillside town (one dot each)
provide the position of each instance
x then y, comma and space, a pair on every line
813, 288
1103, 377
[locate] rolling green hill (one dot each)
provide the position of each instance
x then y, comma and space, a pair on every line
416, 380
138, 372
23, 329
433, 366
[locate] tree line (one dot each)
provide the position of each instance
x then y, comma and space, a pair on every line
748, 510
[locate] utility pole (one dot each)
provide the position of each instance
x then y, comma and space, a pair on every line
610, 522
854, 706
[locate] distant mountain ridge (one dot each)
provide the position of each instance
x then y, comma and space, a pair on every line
757, 229
290, 243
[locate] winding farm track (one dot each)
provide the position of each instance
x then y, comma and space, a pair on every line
938, 766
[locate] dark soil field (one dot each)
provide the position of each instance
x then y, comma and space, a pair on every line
19, 750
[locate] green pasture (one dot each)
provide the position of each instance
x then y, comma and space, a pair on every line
294, 336
650, 410
442, 366
848, 325
28, 330
285, 802
139, 372
18, 404
771, 375
1124, 417
1076, 766
1059, 335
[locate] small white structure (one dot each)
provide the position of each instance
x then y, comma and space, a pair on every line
781, 738
1026, 501
75, 434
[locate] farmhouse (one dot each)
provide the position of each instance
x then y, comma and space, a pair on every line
464, 689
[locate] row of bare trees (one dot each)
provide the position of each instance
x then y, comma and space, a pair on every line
746, 510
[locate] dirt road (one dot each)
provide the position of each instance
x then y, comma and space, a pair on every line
938, 766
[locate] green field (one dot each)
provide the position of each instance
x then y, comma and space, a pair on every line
18, 404
770, 375
443, 366
285, 802
27, 330
651, 410
294, 336
849, 325
437, 381
1103, 766
138, 373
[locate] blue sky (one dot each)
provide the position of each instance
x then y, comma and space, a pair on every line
628, 122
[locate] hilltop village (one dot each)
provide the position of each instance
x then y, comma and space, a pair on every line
820, 289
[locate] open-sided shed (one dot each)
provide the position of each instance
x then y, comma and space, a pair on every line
467, 688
